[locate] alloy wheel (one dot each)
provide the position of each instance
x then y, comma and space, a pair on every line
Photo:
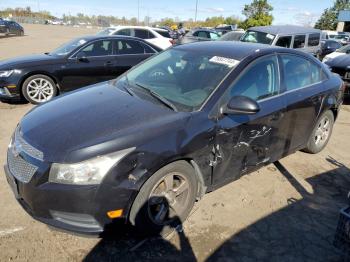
322, 131
169, 198
40, 90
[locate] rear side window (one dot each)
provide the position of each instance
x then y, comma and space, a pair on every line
129, 47
314, 40
299, 41
148, 49
259, 81
300, 72
284, 41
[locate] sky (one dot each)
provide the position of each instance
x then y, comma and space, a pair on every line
300, 12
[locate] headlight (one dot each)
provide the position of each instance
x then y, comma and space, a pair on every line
89, 172
6, 73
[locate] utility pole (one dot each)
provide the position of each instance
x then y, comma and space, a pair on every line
195, 16
138, 11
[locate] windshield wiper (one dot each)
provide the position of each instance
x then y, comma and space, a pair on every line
125, 85
158, 97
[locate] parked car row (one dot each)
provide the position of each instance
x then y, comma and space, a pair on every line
156, 36
80, 62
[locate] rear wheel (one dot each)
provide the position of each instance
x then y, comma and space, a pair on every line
321, 133
39, 89
165, 200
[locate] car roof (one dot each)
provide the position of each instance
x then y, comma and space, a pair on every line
284, 29
101, 37
93, 37
135, 27
230, 49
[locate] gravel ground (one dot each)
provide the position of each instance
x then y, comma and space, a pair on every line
284, 212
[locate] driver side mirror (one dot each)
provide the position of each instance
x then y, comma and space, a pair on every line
240, 105
81, 57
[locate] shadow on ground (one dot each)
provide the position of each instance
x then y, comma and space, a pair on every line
302, 231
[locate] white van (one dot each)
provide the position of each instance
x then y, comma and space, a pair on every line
297, 37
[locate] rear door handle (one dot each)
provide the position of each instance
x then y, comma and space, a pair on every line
109, 63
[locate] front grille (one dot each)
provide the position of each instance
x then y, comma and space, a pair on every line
22, 145
19, 168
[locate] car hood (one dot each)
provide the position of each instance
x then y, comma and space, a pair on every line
23, 61
96, 120
341, 61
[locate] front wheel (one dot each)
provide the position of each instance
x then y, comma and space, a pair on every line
321, 133
39, 89
165, 200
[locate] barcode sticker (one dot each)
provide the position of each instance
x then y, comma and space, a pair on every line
224, 61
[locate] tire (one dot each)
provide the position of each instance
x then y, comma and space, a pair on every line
38, 89
146, 208
321, 133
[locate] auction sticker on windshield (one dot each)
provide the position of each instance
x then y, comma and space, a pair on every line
224, 61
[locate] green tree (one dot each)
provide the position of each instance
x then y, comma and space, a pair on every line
329, 17
258, 13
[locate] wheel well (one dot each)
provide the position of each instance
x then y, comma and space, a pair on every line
200, 179
38, 73
335, 112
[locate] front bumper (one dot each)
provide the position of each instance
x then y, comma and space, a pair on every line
9, 89
75, 209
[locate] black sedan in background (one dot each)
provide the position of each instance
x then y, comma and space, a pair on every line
81, 62
141, 149
10, 28
341, 66
327, 47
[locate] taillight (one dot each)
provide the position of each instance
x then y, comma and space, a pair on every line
172, 41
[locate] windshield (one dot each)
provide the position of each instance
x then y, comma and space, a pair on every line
68, 47
344, 49
106, 31
340, 37
258, 37
184, 78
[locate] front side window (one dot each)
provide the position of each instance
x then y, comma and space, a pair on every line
284, 41
300, 72
314, 40
141, 33
183, 77
258, 37
202, 34
125, 31
129, 47
260, 80
299, 41
98, 48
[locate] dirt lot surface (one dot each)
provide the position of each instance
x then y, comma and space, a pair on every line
284, 212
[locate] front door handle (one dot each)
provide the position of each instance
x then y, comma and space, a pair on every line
276, 116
